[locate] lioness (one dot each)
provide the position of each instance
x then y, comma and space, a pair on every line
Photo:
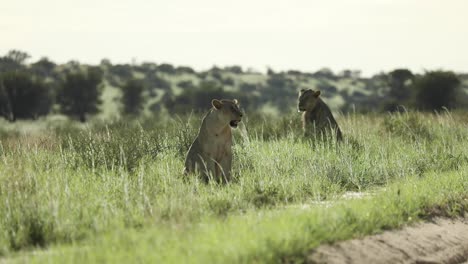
210, 153
317, 119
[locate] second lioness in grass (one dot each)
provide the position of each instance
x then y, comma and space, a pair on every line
210, 154
317, 119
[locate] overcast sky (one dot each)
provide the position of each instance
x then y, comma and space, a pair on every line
370, 35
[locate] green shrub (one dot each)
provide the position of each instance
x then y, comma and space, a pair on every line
408, 125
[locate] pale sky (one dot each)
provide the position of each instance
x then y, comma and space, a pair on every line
306, 35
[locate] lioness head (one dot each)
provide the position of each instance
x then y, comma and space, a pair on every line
229, 110
307, 100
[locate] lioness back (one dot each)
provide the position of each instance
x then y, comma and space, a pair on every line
317, 119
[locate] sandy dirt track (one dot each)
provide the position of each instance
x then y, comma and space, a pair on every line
438, 241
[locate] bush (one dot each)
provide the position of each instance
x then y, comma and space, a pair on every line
436, 90
408, 126
22, 96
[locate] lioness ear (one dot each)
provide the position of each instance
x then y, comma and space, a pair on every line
235, 101
317, 94
217, 103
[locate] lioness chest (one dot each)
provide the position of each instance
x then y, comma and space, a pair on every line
219, 146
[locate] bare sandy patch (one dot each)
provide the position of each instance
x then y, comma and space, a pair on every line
438, 241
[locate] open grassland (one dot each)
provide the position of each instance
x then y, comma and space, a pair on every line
115, 192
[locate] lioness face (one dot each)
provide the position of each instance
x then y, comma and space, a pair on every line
230, 111
307, 100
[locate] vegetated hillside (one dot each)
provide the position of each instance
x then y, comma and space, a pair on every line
259, 91
180, 89
269, 92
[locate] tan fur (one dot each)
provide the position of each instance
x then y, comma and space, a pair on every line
210, 154
317, 119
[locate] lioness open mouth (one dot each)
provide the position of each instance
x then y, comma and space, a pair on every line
234, 123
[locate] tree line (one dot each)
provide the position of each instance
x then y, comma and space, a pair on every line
28, 91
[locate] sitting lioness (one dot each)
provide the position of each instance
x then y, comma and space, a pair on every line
317, 119
210, 154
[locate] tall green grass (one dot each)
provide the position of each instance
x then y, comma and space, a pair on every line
70, 183
273, 236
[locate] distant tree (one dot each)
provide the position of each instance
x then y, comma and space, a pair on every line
14, 60
106, 63
202, 75
166, 68
43, 67
153, 82
325, 73
345, 74
185, 69
353, 74
436, 89
70, 66
248, 87
280, 90
18, 56
399, 93
327, 89
234, 69
132, 97
80, 93
217, 76
124, 71
200, 97
270, 71
216, 73
22, 96
228, 81
294, 72
187, 84
400, 82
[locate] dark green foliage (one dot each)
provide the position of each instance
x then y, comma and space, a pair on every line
186, 84
80, 93
22, 96
399, 81
328, 89
234, 69
325, 73
266, 195
166, 68
44, 68
400, 92
119, 74
153, 81
220, 206
282, 91
407, 125
294, 72
436, 90
132, 97
185, 69
14, 60
199, 99
228, 81
248, 87
29, 231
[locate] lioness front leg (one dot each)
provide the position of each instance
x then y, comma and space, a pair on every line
226, 164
